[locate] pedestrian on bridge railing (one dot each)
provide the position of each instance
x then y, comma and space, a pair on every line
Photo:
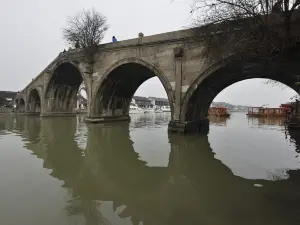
277, 7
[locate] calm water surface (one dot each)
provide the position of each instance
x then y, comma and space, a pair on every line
61, 171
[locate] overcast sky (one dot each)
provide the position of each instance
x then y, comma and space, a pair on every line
31, 36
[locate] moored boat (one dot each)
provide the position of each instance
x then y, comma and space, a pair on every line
134, 109
253, 111
218, 111
166, 108
265, 112
154, 109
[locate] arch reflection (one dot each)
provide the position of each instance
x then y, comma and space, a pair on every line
195, 188
218, 120
7, 123
266, 121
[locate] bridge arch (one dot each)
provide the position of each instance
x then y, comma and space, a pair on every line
60, 95
231, 70
113, 93
34, 101
21, 105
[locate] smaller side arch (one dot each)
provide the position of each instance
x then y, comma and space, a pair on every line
62, 86
21, 106
34, 101
53, 70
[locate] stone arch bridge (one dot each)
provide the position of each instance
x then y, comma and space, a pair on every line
190, 79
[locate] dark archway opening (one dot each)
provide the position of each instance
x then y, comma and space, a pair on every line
198, 104
116, 92
21, 105
34, 102
61, 93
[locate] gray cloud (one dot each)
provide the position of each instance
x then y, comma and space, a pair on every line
255, 92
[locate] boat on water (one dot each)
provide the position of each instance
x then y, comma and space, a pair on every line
165, 108
253, 111
265, 112
218, 111
154, 109
134, 109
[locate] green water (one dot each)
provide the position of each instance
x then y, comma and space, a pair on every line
62, 171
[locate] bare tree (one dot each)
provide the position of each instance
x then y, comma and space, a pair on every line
251, 21
86, 29
275, 83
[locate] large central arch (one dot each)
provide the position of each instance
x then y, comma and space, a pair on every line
34, 102
61, 91
284, 69
117, 86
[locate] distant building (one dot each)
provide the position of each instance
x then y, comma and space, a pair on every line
142, 102
159, 101
81, 102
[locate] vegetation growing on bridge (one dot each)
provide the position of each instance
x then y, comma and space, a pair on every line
252, 22
86, 30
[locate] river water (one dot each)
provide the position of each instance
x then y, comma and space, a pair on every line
62, 171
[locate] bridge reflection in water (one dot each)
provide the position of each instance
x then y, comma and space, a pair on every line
105, 171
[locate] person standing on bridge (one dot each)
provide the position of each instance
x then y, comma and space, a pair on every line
277, 7
114, 39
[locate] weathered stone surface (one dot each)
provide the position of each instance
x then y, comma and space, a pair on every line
191, 81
